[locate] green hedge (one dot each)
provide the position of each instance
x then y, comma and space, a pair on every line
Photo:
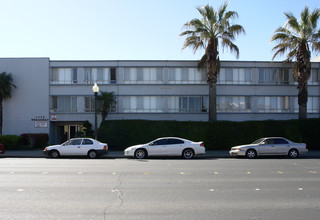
10, 142
220, 135
35, 140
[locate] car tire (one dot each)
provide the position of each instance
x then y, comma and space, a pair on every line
54, 154
140, 154
251, 154
92, 154
293, 153
187, 153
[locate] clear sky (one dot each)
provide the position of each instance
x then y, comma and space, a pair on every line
131, 29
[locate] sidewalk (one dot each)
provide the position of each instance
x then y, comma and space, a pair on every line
119, 154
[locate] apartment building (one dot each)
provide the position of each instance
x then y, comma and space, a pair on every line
56, 97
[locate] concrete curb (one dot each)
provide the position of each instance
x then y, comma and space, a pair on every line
119, 154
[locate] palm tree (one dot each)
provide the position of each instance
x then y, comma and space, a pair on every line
5, 92
296, 39
106, 99
209, 32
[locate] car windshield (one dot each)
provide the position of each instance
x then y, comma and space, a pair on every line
258, 141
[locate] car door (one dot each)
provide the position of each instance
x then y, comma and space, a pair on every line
72, 147
281, 146
86, 145
174, 147
158, 148
274, 146
265, 147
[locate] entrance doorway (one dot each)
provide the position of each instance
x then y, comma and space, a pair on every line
66, 132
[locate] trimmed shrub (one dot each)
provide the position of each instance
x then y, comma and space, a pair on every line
220, 135
35, 140
10, 142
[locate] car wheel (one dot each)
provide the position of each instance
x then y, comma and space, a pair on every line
187, 153
92, 154
140, 154
293, 153
54, 154
251, 154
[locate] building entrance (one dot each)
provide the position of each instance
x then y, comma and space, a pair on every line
66, 131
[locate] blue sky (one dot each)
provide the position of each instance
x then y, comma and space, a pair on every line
131, 29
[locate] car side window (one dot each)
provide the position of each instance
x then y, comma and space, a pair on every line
269, 141
280, 141
76, 142
87, 142
174, 141
160, 142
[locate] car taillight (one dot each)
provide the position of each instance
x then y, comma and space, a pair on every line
105, 147
202, 144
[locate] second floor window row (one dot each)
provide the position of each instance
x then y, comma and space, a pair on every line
176, 75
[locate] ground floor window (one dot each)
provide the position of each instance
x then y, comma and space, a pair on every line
143, 104
234, 104
312, 104
273, 104
63, 104
188, 104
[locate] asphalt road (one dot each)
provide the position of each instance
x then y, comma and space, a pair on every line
272, 188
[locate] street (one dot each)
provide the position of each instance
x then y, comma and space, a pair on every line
165, 188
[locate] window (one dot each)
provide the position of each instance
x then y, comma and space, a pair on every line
64, 104
235, 76
87, 142
160, 142
174, 141
89, 104
64, 76
143, 75
75, 142
74, 76
273, 104
274, 76
143, 104
113, 76
312, 104
234, 104
315, 77
100, 75
194, 104
186, 76
280, 141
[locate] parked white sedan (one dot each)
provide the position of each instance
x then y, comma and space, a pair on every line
167, 146
269, 146
77, 147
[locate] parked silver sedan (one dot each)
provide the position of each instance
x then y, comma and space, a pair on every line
77, 147
167, 146
269, 146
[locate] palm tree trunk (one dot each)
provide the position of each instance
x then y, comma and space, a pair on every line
212, 101
304, 70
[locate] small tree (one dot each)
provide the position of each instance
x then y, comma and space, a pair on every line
6, 86
106, 100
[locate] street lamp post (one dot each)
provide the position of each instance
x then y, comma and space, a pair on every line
95, 89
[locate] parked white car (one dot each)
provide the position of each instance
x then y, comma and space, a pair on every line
270, 146
77, 147
167, 146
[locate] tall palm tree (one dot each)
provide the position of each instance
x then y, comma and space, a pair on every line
6, 86
296, 39
106, 99
209, 32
